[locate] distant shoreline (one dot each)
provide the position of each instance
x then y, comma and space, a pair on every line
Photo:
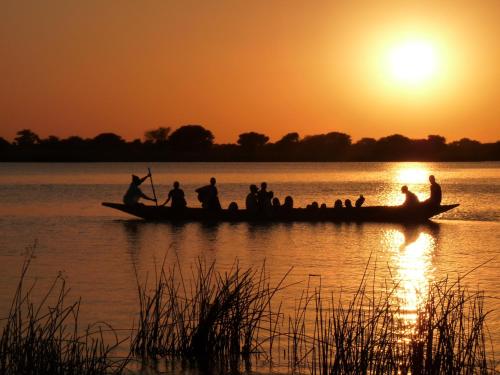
194, 143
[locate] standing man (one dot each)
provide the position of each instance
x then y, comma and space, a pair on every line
208, 196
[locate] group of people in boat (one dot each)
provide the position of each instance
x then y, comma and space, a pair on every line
434, 199
261, 200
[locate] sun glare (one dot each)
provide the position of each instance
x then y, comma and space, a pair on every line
413, 62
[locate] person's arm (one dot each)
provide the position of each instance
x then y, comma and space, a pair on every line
144, 196
145, 178
164, 203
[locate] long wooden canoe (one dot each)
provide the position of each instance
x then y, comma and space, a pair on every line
398, 214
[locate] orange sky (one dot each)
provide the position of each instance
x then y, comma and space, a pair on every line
91, 66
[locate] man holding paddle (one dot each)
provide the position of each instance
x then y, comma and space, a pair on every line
134, 193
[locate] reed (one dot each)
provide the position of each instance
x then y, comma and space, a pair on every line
45, 338
219, 318
369, 335
224, 320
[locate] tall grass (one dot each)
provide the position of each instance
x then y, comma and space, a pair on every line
224, 319
218, 318
45, 338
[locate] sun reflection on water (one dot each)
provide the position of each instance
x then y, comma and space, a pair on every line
411, 258
414, 175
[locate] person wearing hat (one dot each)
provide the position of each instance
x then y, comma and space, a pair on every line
134, 193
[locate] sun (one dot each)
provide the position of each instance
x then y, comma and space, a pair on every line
413, 62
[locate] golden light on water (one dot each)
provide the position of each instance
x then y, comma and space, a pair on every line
415, 176
411, 259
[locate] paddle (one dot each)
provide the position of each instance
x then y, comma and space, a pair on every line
153, 186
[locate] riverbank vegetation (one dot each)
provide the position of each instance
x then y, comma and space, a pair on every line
45, 337
228, 322
195, 143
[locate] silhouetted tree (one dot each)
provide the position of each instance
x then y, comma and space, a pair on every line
288, 139
108, 140
191, 138
26, 137
157, 136
393, 147
330, 146
51, 140
4, 144
364, 149
252, 141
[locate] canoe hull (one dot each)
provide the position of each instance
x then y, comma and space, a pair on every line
396, 214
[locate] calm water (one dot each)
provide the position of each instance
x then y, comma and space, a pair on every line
58, 207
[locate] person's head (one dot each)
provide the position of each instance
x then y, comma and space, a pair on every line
348, 203
136, 179
212, 181
263, 186
253, 188
323, 206
276, 202
176, 184
432, 179
404, 189
289, 201
337, 204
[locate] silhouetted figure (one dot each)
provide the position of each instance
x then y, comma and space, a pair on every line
176, 195
264, 197
360, 201
313, 206
436, 194
251, 202
411, 199
323, 206
276, 202
288, 203
208, 196
134, 193
337, 204
233, 207
348, 203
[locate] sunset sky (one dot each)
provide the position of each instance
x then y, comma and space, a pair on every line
367, 68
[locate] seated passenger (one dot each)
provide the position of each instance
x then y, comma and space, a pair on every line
264, 197
314, 205
288, 202
411, 199
436, 194
348, 203
134, 193
337, 204
360, 201
276, 202
323, 206
177, 197
251, 202
233, 207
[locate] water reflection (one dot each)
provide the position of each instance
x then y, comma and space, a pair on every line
414, 175
411, 254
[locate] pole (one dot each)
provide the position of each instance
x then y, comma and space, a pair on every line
153, 186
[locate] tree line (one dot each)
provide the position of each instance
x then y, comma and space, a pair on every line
195, 143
